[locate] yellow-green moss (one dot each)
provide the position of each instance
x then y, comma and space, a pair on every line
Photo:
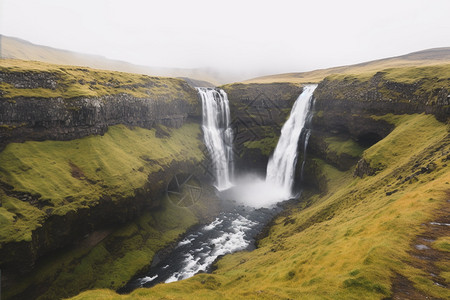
340, 146
72, 82
73, 174
396, 148
429, 80
346, 245
112, 262
442, 244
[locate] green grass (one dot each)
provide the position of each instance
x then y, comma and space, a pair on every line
349, 243
395, 150
266, 144
364, 70
437, 75
428, 81
73, 82
442, 244
112, 262
72, 174
340, 146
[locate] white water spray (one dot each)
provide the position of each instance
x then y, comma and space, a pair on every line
218, 134
281, 166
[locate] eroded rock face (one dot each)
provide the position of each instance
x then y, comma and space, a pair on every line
30, 80
24, 119
347, 109
379, 96
258, 112
59, 231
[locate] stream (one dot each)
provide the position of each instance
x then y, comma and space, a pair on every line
231, 231
257, 199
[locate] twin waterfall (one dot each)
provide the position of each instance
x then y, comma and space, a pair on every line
219, 137
236, 227
281, 166
218, 134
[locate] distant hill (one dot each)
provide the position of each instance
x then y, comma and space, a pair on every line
16, 48
421, 58
197, 83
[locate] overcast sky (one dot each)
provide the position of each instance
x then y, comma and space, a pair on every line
258, 36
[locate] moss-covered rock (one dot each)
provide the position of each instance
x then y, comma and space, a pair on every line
258, 112
346, 243
55, 192
40, 101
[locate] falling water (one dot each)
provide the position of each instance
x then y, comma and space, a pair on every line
235, 229
281, 166
218, 134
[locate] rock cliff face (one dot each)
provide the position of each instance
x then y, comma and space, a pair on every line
258, 112
26, 116
60, 119
346, 114
345, 122
24, 119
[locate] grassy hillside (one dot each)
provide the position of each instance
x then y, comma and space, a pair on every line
429, 57
357, 241
63, 176
36, 79
429, 79
14, 48
107, 258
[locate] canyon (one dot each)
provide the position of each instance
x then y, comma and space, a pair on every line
134, 133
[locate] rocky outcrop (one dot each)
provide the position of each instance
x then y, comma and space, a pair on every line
24, 119
346, 109
380, 95
62, 230
29, 80
258, 112
170, 102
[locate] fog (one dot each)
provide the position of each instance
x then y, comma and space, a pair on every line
254, 191
254, 37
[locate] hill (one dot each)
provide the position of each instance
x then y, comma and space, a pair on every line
15, 48
427, 57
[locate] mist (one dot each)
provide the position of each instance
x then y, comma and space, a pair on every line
254, 191
244, 38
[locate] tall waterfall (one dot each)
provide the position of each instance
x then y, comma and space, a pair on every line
281, 166
218, 134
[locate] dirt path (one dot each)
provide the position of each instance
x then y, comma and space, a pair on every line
426, 258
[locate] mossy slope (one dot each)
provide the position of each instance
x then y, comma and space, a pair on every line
109, 262
32, 79
346, 244
64, 176
424, 58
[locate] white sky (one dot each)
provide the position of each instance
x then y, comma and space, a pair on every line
260, 37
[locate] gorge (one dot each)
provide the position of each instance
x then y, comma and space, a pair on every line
235, 229
376, 168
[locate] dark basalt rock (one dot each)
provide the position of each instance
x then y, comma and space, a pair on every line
258, 112
346, 108
364, 168
59, 231
25, 119
379, 96
30, 80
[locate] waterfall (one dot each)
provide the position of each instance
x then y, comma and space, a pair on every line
281, 166
218, 134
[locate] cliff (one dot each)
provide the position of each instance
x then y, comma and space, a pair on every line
41, 102
378, 156
258, 112
375, 230
347, 112
84, 150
